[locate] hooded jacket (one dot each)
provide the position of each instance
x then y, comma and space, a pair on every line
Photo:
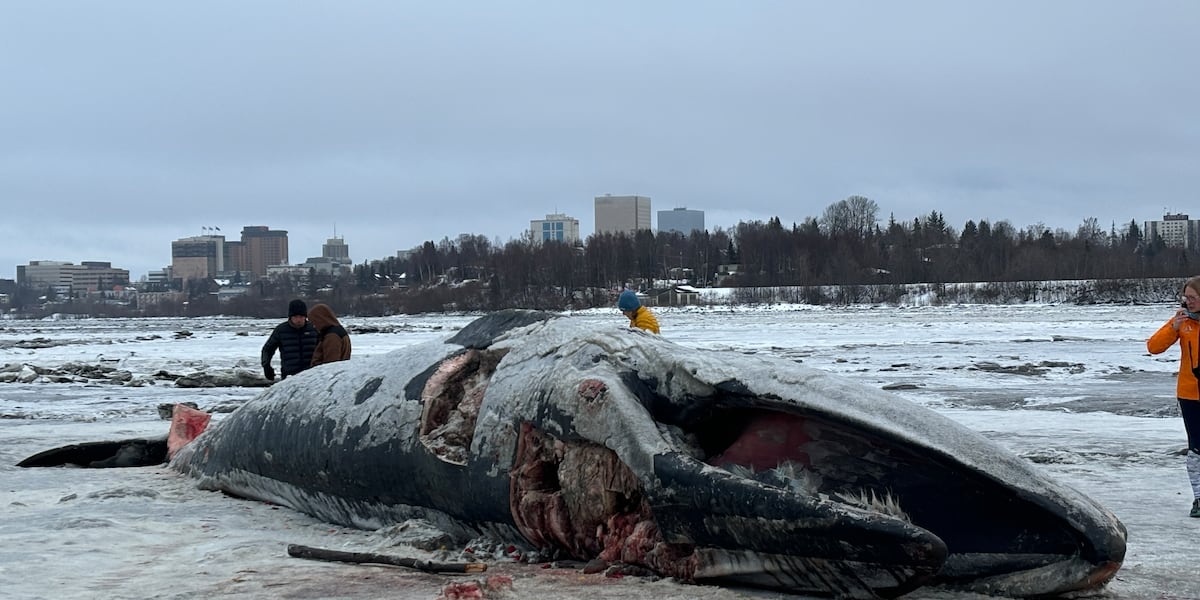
333, 341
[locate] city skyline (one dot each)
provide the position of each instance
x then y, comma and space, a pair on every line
126, 124
1175, 228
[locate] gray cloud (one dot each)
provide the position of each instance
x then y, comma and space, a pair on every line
126, 125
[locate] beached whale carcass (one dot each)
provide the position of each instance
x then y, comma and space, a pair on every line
704, 465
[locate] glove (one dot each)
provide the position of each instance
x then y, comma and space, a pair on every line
269, 373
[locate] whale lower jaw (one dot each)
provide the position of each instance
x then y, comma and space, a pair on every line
1060, 575
865, 580
807, 575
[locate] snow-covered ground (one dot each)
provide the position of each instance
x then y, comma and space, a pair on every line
1070, 388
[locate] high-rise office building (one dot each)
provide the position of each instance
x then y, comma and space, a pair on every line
556, 227
198, 257
336, 248
334, 259
622, 214
681, 220
261, 247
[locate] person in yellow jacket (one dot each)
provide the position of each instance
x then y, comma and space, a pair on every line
1184, 327
639, 316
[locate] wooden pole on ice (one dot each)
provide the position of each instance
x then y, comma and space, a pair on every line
309, 552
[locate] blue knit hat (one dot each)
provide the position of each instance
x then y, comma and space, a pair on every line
628, 300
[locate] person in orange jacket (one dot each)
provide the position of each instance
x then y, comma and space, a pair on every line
639, 316
333, 343
1184, 327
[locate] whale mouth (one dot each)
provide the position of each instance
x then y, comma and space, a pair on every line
777, 499
996, 538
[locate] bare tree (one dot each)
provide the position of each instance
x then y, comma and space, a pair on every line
864, 214
1090, 232
856, 215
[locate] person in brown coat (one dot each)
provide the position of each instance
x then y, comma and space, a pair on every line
333, 343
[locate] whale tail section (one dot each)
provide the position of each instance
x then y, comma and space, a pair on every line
186, 424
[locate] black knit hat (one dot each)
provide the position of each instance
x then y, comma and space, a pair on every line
297, 307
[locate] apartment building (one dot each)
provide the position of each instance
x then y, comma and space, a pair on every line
1176, 230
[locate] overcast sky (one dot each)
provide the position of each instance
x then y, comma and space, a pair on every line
125, 125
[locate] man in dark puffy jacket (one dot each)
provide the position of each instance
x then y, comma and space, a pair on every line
295, 339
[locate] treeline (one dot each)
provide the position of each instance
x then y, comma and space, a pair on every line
847, 245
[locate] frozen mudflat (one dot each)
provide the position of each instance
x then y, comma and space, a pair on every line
1069, 388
